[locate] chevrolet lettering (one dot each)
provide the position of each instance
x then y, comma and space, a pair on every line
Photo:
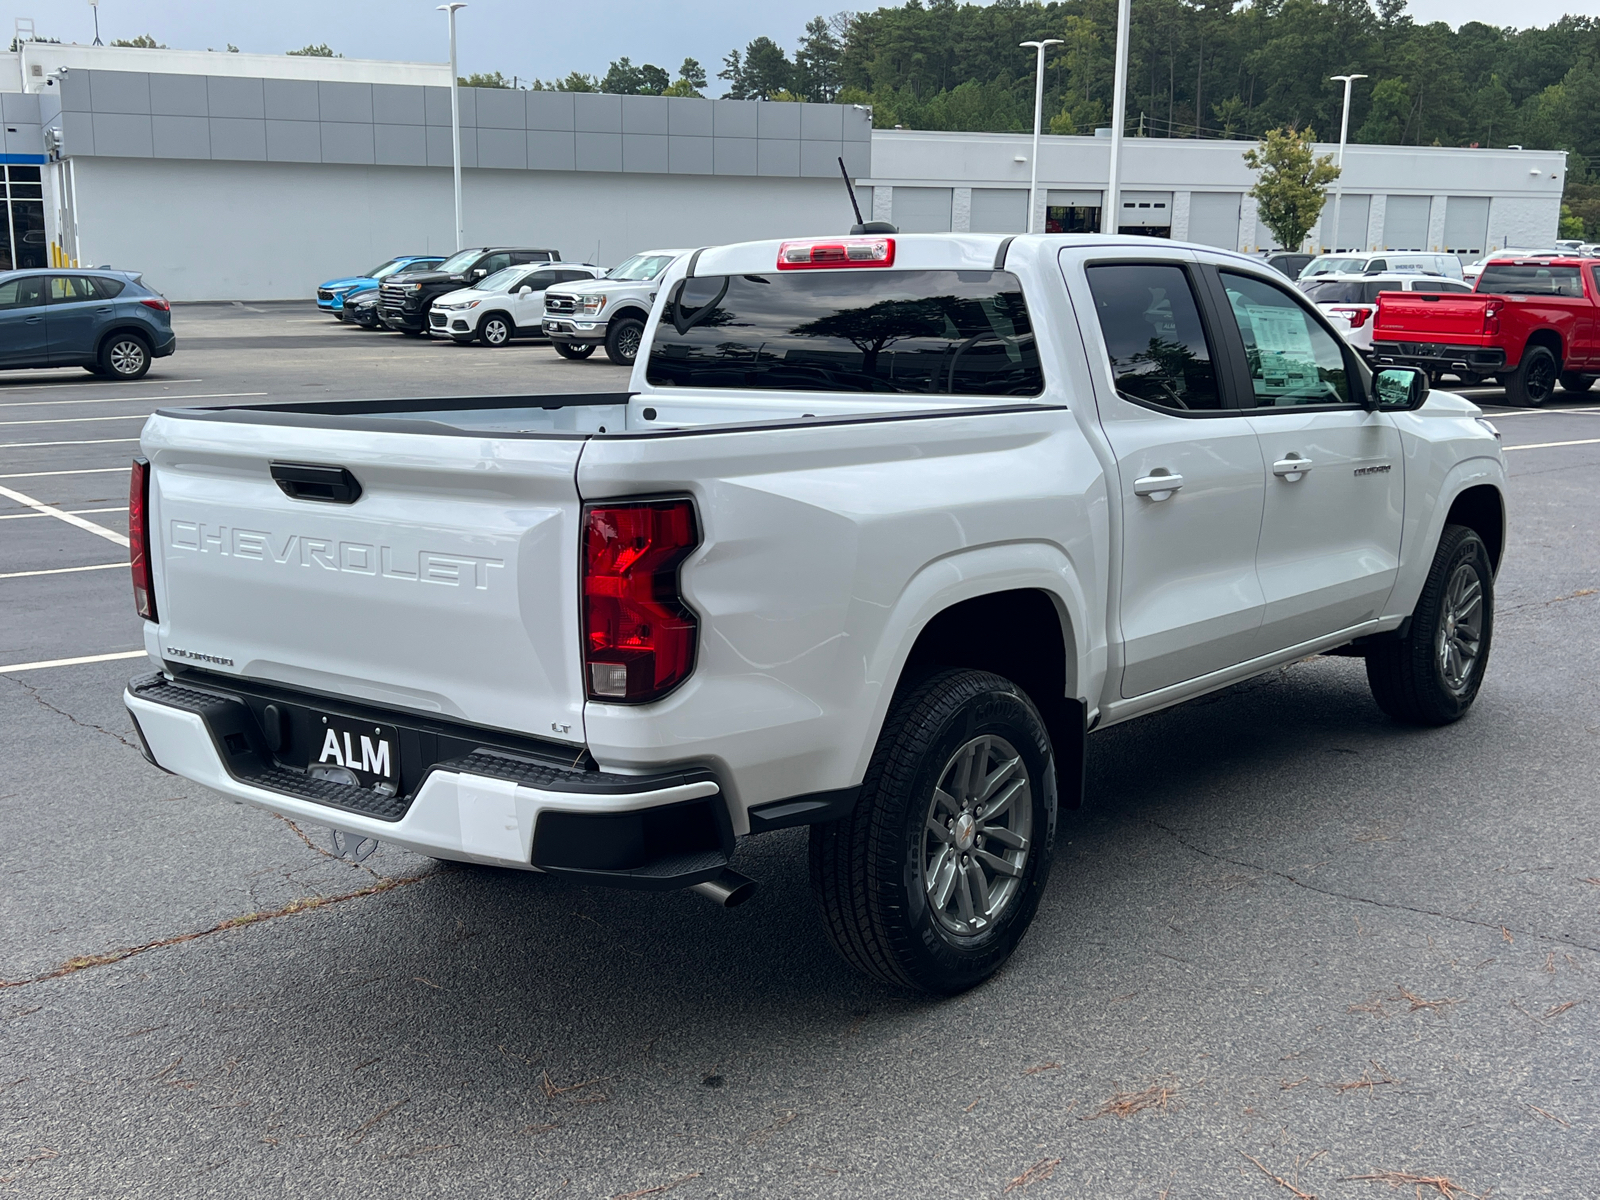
883, 528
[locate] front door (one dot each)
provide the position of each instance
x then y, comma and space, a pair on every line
527, 308
23, 341
1335, 474
1189, 471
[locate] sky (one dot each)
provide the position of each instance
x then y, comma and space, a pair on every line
533, 38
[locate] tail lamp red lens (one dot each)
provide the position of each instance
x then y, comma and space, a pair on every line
1356, 316
1491, 317
815, 253
639, 636
144, 590
159, 303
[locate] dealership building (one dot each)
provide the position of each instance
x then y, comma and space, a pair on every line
250, 177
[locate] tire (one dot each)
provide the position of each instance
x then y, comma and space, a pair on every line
495, 329
574, 350
622, 340
869, 871
1571, 381
1532, 383
411, 332
125, 356
1408, 675
1468, 379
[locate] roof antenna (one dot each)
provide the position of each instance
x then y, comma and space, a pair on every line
862, 226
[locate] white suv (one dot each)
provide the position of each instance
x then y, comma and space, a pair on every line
1350, 301
507, 304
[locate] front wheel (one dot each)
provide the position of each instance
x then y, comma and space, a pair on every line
1532, 383
1571, 381
935, 875
622, 340
574, 350
125, 356
1432, 675
495, 329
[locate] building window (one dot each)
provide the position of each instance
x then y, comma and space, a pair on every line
1072, 218
23, 241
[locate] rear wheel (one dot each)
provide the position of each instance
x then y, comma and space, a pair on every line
495, 329
622, 340
574, 350
1571, 381
934, 877
1432, 675
94, 368
1532, 383
125, 356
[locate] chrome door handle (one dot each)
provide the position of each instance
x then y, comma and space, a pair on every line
1292, 468
1157, 486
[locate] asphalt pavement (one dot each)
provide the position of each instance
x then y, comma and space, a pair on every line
1294, 949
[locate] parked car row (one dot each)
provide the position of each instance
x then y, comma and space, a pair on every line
494, 294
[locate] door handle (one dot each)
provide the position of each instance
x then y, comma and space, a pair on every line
33, 320
1157, 486
1292, 468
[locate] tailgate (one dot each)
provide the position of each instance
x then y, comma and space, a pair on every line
449, 586
1456, 317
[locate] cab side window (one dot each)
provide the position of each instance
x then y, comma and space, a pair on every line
540, 280
1293, 359
1157, 344
495, 262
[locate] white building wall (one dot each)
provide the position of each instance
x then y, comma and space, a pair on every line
267, 231
1525, 223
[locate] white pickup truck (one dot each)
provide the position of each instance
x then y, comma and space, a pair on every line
886, 526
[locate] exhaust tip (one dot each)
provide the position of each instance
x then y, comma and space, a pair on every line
729, 889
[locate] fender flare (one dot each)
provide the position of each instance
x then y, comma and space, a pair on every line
966, 575
1477, 471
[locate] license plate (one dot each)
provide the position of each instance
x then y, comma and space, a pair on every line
351, 751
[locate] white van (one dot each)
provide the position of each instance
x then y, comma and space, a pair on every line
1390, 262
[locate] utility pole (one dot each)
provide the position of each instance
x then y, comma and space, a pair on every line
455, 117
1038, 119
1344, 136
1119, 118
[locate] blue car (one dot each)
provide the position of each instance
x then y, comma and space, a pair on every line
332, 295
104, 321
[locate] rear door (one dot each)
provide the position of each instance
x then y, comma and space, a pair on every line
1190, 600
23, 338
448, 586
74, 313
1334, 475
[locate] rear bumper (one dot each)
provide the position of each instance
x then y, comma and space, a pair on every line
161, 348
1437, 356
653, 833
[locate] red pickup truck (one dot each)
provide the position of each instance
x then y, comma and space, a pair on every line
1531, 322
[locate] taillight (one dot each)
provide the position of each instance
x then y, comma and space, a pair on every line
159, 303
1491, 316
1356, 316
144, 591
836, 252
638, 635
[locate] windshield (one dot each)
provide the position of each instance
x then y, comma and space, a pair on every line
1330, 266
641, 266
388, 268
458, 262
501, 280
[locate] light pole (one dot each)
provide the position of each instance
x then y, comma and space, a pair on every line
455, 117
1344, 136
95, 4
1119, 119
1038, 118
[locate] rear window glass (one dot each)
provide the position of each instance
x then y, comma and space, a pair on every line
1347, 291
940, 332
1507, 279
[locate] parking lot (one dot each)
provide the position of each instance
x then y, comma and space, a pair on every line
1292, 946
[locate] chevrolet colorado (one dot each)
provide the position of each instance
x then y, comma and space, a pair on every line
884, 528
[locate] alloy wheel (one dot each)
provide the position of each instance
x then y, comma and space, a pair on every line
1460, 638
977, 830
127, 357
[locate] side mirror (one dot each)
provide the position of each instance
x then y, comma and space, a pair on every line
1399, 389
524, 290
479, 273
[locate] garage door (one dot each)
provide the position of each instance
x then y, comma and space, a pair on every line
999, 210
1353, 213
1405, 222
1214, 219
1146, 212
922, 209
1466, 224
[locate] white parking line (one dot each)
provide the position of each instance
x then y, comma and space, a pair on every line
65, 570
83, 442
1552, 445
71, 662
78, 420
1539, 412
129, 399
76, 511
79, 471
43, 509
33, 387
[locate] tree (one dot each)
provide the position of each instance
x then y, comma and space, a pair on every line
733, 72
479, 79
625, 79
143, 42
1571, 225
1292, 183
765, 70
319, 51
574, 82
691, 80
816, 63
